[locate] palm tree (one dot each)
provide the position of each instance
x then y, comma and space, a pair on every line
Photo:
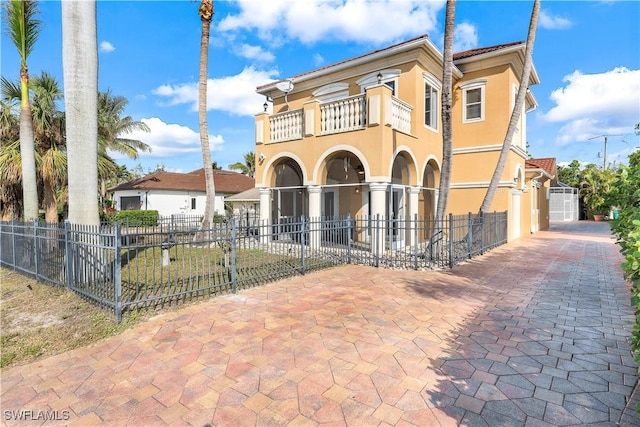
205, 11
80, 65
49, 128
517, 110
447, 133
23, 30
10, 161
112, 135
248, 167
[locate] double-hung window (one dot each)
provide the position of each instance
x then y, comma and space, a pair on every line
473, 101
432, 89
430, 106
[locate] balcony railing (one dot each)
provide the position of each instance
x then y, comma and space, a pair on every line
286, 126
343, 115
401, 115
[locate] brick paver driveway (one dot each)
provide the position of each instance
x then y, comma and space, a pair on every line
533, 333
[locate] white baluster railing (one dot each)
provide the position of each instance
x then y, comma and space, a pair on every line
342, 115
286, 126
401, 115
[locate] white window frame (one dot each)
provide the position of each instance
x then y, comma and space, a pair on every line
436, 87
474, 85
371, 79
331, 92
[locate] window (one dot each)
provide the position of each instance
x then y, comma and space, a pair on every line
193, 203
473, 104
130, 203
388, 77
430, 106
473, 101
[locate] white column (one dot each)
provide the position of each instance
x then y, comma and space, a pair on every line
414, 202
378, 210
265, 214
314, 192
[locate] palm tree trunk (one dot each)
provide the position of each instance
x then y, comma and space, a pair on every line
27, 154
206, 15
517, 110
80, 64
447, 132
49, 202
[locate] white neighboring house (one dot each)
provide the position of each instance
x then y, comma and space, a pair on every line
173, 193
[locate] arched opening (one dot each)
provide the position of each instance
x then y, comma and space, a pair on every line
428, 199
343, 176
397, 201
289, 196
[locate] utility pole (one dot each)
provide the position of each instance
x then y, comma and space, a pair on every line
604, 166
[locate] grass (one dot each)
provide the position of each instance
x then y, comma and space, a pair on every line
39, 320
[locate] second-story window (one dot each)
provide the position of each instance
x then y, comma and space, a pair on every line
430, 106
473, 102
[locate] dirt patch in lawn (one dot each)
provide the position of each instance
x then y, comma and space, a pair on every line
38, 320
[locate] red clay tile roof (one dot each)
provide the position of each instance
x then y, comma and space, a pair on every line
546, 163
225, 181
481, 50
457, 56
424, 36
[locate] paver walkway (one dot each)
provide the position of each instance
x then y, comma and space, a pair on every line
533, 333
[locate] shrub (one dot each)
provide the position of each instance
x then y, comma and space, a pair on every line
134, 217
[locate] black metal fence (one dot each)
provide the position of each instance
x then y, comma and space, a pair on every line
124, 267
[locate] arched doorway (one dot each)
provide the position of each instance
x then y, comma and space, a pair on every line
342, 185
397, 201
428, 197
289, 196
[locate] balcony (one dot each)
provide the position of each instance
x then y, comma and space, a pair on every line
374, 108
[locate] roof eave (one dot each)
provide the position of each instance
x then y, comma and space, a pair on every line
349, 63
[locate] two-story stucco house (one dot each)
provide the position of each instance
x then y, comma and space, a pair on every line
363, 136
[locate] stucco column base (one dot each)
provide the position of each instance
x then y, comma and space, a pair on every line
378, 212
314, 192
414, 201
265, 214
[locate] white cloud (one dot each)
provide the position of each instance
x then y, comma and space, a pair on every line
106, 47
233, 94
596, 104
171, 139
318, 60
553, 22
310, 21
465, 37
254, 52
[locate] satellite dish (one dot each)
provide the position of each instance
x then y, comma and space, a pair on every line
285, 86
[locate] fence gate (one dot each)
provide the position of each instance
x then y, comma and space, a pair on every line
563, 204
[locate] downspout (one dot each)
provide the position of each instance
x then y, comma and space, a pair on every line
146, 200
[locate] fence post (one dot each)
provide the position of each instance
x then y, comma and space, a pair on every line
35, 247
234, 285
349, 234
495, 228
377, 228
470, 236
481, 220
302, 232
13, 237
415, 241
451, 240
68, 251
117, 274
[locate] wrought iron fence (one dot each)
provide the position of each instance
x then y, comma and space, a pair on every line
128, 267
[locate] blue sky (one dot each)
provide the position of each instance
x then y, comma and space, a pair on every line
587, 54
